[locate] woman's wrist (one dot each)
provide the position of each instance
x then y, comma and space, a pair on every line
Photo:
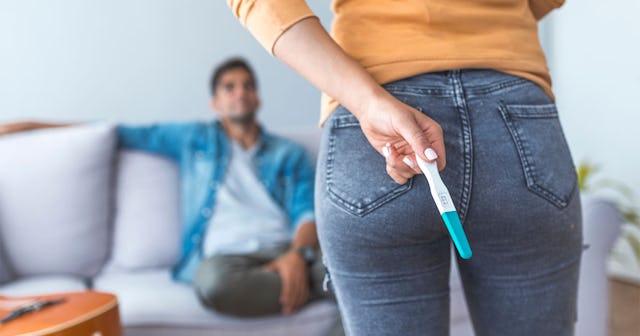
367, 95
371, 99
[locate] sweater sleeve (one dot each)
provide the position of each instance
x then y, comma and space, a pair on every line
267, 20
540, 8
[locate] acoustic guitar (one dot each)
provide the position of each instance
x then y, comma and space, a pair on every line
66, 314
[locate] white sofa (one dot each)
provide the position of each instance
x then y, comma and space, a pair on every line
77, 213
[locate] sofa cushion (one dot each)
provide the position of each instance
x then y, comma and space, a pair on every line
55, 192
42, 285
141, 305
147, 221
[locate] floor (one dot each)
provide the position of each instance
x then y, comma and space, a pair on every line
624, 318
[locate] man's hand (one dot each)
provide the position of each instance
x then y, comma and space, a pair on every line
295, 280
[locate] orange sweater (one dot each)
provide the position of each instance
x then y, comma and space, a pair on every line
395, 39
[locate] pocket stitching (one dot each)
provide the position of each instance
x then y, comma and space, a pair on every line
547, 111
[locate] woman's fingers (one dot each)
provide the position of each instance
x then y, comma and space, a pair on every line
409, 129
410, 160
398, 166
434, 137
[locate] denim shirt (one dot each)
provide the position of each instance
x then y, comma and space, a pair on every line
202, 153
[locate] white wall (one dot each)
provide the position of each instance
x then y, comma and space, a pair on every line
134, 61
595, 63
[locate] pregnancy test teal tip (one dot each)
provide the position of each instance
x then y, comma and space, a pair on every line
447, 210
452, 221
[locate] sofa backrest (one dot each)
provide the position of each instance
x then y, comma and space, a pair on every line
147, 229
55, 200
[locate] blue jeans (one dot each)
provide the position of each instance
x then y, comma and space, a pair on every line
511, 176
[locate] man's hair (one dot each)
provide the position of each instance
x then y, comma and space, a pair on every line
228, 65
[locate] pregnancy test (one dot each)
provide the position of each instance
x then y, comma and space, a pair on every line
445, 205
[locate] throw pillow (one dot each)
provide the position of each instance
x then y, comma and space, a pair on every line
55, 199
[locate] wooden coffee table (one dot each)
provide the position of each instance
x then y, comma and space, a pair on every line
82, 313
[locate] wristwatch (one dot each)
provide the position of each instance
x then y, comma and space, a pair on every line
307, 253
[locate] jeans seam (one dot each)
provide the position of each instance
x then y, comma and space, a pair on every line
467, 146
417, 91
496, 88
330, 156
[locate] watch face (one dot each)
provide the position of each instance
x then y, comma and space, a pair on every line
308, 254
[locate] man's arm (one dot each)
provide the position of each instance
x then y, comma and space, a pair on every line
291, 266
305, 236
163, 139
23, 126
300, 207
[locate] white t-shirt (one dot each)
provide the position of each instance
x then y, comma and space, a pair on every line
245, 217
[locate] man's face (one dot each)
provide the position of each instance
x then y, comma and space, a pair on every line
236, 98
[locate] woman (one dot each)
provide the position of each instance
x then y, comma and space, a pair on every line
399, 76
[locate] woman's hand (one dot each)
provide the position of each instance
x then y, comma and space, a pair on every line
398, 132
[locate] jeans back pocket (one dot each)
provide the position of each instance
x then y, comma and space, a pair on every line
356, 176
543, 150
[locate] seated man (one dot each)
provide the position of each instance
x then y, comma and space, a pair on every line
250, 246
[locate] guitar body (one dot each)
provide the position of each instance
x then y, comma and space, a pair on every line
81, 314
